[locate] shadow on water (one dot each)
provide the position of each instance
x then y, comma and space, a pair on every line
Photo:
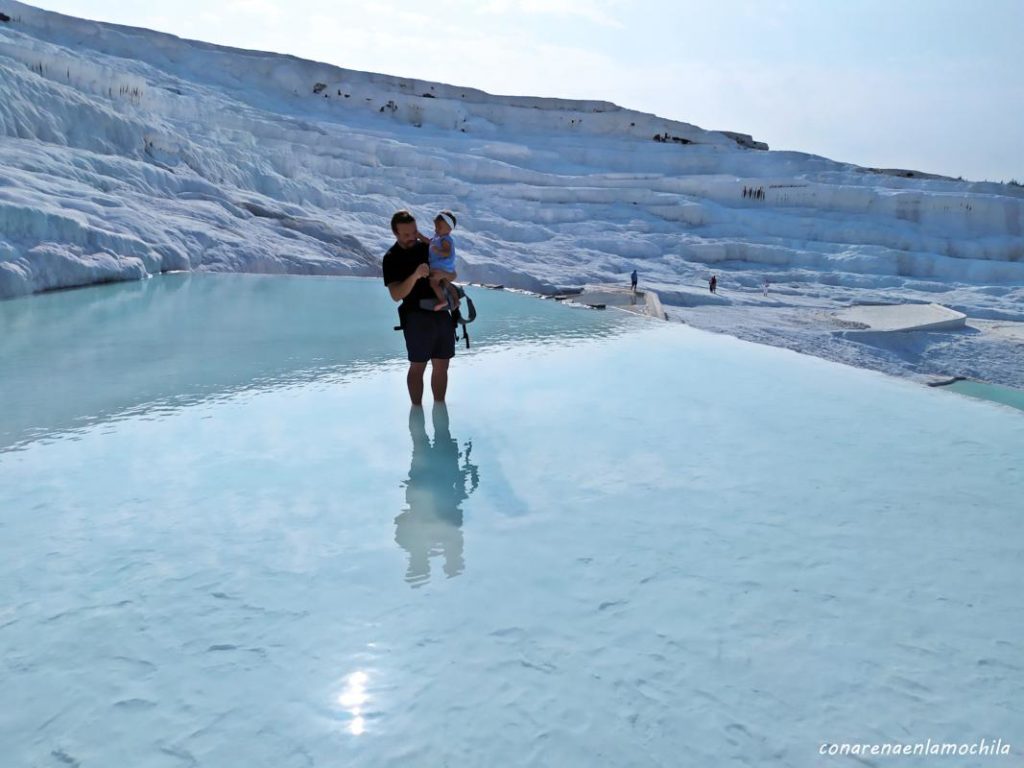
438, 484
72, 359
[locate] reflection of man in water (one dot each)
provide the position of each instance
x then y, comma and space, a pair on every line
436, 487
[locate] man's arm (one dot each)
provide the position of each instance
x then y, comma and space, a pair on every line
401, 288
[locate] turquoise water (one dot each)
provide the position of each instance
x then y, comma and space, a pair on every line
233, 543
75, 358
993, 392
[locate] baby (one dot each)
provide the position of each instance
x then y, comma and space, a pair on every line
442, 261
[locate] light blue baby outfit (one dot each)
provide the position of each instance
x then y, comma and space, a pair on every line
437, 261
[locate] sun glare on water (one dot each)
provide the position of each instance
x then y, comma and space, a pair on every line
353, 699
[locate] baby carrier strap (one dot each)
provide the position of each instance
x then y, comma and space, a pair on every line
427, 305
401, 316
458, 317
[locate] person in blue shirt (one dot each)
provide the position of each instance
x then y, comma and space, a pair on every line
442, 262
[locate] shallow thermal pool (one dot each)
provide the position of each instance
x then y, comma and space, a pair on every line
997, 394
227, 540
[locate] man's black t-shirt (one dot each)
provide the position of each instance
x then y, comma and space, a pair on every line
400, 262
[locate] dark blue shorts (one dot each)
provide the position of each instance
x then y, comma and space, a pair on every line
428, 335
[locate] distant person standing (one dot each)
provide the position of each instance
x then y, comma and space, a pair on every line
632, 280
765, 286
713, 284
429, 335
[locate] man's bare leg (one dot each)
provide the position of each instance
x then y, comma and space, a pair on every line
414, 380
438, 379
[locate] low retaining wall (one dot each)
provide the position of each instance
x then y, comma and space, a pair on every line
885, 318
642, 302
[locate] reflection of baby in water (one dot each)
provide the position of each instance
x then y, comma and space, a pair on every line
436, 487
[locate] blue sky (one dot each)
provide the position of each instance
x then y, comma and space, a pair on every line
933, 85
